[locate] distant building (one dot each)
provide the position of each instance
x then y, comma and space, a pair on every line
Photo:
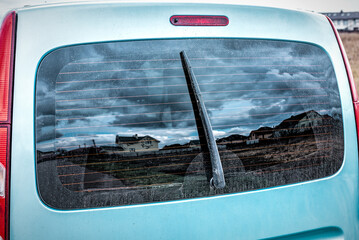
174, 147
260, 133
294, 125
232, 139
299, 123
194, 144
345, 21
137, 144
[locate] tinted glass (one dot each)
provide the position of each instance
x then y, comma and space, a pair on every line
115, 123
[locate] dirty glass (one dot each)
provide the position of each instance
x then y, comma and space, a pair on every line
115, 124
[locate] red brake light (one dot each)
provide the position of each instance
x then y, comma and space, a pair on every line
7, 42
6, 58
350, 76
4, 154
190, 20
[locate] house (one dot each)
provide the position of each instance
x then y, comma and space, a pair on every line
299, 123
232, 139
194, 144
136, 143
345, 21
174, 147
294, 125
260, 133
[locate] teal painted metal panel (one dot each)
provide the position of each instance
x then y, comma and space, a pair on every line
279, 211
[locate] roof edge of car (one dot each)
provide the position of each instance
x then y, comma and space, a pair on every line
161, 2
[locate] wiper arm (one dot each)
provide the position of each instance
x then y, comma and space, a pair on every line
217, 171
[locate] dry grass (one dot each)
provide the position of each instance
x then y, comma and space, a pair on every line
351, 44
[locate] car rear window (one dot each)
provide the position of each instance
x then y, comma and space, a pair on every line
116, 123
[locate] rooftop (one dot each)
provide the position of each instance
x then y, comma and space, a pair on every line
342, 15
133, 139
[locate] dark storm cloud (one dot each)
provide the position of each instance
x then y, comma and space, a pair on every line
45, 105
45, 120
46, 133
303, 50
263, 113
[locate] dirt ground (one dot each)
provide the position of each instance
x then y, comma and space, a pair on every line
351, 45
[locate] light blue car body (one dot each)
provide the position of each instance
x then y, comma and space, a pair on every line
326, 208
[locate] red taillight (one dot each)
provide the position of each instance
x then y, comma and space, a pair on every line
4, 154
190, 20
350, 76
6, 60
7, 43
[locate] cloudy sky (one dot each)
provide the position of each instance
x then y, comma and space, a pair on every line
316, 5
110, 89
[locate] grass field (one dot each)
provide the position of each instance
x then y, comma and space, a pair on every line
351, 44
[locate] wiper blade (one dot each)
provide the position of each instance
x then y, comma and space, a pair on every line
217, 171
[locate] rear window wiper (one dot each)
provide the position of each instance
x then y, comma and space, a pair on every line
217, 180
